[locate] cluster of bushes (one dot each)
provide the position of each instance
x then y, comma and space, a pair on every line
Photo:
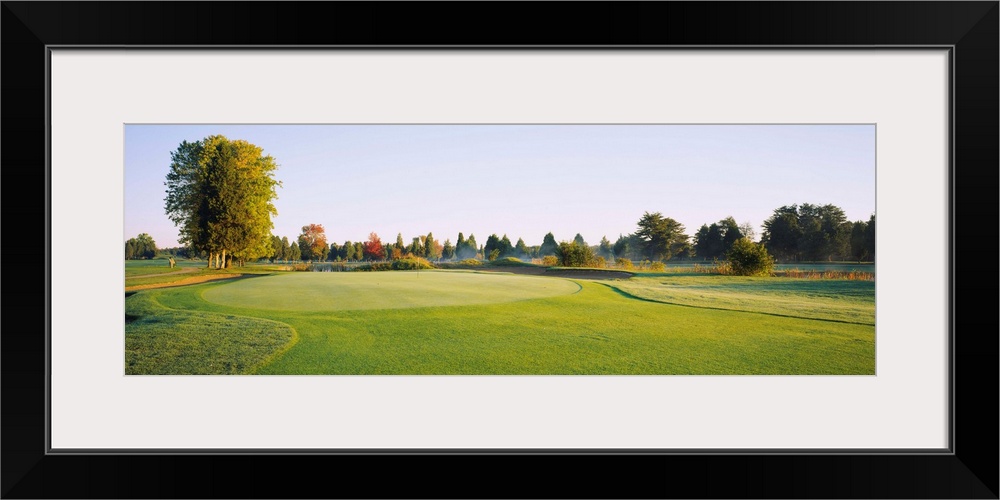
406, 264
747, 258
326, 267
509, 261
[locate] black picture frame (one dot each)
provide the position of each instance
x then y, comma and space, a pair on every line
969, 28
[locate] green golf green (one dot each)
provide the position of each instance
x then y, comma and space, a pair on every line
384, 290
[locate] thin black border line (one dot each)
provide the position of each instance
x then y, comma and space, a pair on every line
948, 450
610, 48
952, 109
488, 451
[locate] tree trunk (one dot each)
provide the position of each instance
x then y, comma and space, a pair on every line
225, 263
210, 257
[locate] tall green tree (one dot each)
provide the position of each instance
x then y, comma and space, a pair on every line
506, 249
294, 254
399, 245
460, 247
623, 247
870, 238
472, 245
782, 233
466, 249
808, 232
660, 237
334, 252
549, 245
522, 250
431, 247
492, 243
220, 194
447, 251
731, 233
578, 239
605, 248
416, 248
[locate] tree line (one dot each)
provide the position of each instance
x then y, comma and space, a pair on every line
220, 194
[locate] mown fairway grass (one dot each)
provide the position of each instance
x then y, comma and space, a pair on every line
570, 327
384, 290
835, 300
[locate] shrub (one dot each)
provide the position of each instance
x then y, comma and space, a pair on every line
470, 262
410, 264
573, 254
657, 266
600, 262
623, 263
550, 260
508, 261
747, 258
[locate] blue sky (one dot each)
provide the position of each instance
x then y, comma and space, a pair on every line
522, 180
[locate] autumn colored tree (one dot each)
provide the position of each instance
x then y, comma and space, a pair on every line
312, 242
373, 248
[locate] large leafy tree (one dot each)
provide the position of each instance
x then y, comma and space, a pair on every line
782, 233
808, 232
623, 247
347, 251
140, 247
220, 194
312, 242
660, 238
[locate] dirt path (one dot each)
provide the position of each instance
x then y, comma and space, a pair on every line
184, 270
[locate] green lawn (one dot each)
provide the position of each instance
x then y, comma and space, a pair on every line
450, 322
384, 290
835, 300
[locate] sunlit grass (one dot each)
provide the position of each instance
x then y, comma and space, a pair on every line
596, 331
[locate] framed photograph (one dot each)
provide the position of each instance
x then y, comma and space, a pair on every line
648, 351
